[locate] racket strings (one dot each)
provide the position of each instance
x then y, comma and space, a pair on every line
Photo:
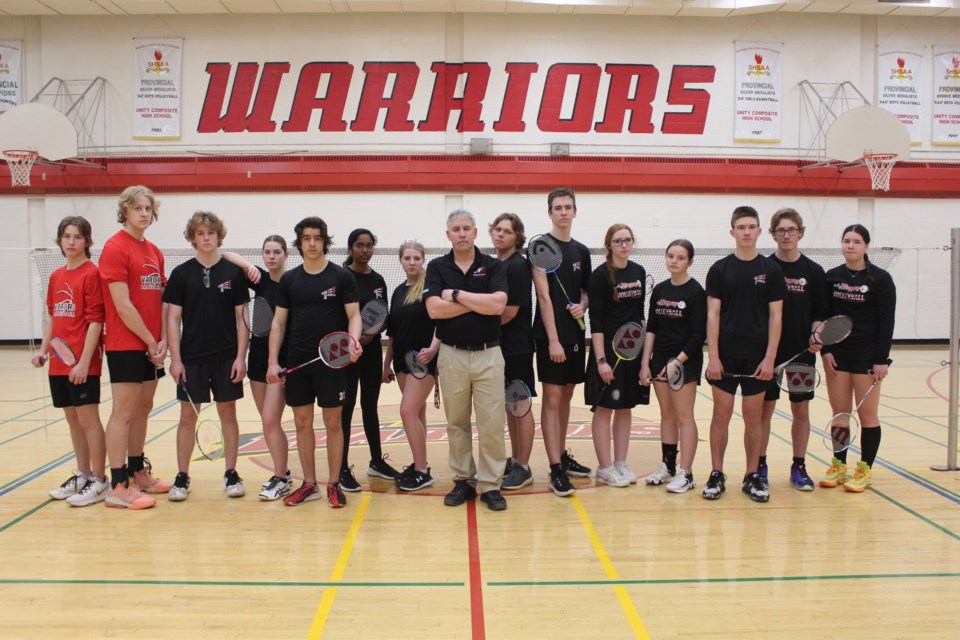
373, 316
834, 330
544, 254
628, 341
63, 351
261, 317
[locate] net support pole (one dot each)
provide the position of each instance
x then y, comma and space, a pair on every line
954, 353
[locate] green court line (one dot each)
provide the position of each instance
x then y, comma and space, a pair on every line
604, 583
27, 514
235, 583
950, 533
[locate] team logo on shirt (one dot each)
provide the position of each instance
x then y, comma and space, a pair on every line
225, 286
481, 272
850, 292
630, 289
760, 279
576, 266
670, 308
65, 308
152, 279
378, 293
330, 293
796, 285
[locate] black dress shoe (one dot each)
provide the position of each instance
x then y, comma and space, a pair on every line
462, 491
494, 499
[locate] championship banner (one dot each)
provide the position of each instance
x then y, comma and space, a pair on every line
758, 77
11, 77
898, 87
946, 95
157, 84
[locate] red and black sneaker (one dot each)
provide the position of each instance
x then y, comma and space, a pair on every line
308, 491
335, 497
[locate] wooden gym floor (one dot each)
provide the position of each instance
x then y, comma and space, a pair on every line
613, 563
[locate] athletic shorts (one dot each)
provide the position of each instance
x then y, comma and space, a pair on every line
400, 364
623, 392
520, 367
66, 394
748, 386
692, 368
132, 366
853, 362
204, 378
572, 371
317, 382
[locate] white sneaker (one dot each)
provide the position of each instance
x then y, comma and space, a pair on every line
267, 483
274, 488
181, 487
659, 476
624, 469
610, 476
682, 482
94, 490
233, 484
70, 487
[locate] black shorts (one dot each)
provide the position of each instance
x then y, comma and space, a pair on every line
692, 368
400, 364
572, 371
316, 382
748, 386
850, 362
520, 367
66, 394
132, 366
257, 365
624, 392
202, 378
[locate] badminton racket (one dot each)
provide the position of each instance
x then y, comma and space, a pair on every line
627, 345
334, 350
414, 367
374, 316
208, 434
518, 399
63, 352
673, 375
827, 333
843, 428
544, 254
258, 316
798, 377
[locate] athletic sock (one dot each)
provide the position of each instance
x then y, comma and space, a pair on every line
871, 444
799, 462
117, 476
670, 457
841, 456
763, 460
135, 463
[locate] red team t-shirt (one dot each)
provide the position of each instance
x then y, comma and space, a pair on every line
139, 263
74, 300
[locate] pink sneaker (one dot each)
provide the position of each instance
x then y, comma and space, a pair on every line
147, 482
128, 497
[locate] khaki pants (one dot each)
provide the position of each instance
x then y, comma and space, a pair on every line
476, 376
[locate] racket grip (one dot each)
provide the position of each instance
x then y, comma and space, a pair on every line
583, 325
283, 373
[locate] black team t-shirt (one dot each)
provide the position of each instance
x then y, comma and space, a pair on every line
678, 318
803, 304
517, 337
315, 307
608, 315
410, 326
575, 275
871, 302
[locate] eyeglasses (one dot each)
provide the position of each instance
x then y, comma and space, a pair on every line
780, 233
622, 242
206, 278
363, 245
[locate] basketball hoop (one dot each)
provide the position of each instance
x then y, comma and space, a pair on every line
880, 166
20, 162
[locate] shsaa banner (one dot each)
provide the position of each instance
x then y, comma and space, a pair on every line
758, 92
157, 85
946, 95
898, 87
11, 78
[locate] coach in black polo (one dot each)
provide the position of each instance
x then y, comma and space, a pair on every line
465, 292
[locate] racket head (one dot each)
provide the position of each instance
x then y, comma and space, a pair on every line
374, 316
628, 341
833, 330
798, 377
675, 377
518, 401
841, 431
544, 254
62, 350
210, 439
258, 316
335, 349
414, 367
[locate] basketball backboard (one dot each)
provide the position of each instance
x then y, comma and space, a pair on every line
866, 129
41, 128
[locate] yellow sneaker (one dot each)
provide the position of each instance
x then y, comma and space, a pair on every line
836, 474
861, 479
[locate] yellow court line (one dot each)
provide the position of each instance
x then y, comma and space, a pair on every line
320, 618
639, 631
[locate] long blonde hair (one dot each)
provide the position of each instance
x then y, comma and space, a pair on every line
415, 293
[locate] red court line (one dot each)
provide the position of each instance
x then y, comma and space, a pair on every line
476, 583
931, 386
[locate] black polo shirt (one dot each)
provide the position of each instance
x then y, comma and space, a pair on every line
485, 275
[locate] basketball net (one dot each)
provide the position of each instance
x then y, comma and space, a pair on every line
20, 162
880, 166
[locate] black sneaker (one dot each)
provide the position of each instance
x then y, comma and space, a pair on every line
494, 499
412, 479
560, 483
462, 491
382, 469
347, 481
753, 487
716, 485
508, 467
572, 467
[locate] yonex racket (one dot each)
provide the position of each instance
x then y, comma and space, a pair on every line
544, 254
208, 434
674, 375
843, 428
798, 377
627, 345
334, 351
373, 316
62, 351
414, 367
827, 333
258, 316
518, 399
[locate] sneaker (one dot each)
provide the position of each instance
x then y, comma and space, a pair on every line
70, 487
716, 485
799, 478
682, 482
861, 480
267, 483
572, 467
130, 497
347, 481
382, 469
94, 490
660, 476
624, 469
274, 488
764, 474
461, 492
412, 479
516, 478
836, 474
147, 483
753, 487
610, 476
335, 497
307, 492
233, 484
494, 499
560, 484
181, 487
508, 467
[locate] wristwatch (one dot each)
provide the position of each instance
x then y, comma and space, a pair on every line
454, 294
601, 360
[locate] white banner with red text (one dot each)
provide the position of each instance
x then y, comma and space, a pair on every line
157, 88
